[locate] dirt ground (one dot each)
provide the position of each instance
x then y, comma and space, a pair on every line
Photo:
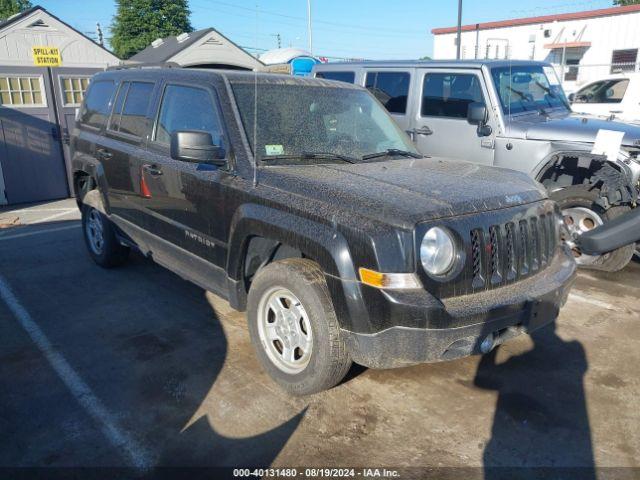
135, 367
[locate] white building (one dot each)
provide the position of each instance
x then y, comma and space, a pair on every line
583, 45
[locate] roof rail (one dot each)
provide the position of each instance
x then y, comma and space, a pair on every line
128, 66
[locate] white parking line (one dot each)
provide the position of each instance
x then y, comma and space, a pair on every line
55, 215
592, 301
38, 232
78, 388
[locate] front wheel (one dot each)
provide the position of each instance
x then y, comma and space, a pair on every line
581, 214
294, 328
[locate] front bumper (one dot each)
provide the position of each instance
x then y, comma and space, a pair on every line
457, 326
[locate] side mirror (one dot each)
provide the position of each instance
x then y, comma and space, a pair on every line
196, 147
477, 115
572, 97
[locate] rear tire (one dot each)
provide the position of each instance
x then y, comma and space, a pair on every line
101, 239
576, 197
289, 306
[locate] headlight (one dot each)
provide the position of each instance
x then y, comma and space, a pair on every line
437, 251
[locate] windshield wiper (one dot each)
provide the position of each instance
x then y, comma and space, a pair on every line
391, 152
519, 93
311, 155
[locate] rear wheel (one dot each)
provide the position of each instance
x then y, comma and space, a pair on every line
294, 328
581, 214
101, 239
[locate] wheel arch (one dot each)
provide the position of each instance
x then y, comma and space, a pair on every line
261, 234
569, 168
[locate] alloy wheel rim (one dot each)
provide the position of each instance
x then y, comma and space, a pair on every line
95, 232
285, 330
581, 220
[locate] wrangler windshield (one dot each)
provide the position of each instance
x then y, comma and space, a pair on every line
317, 124
528, 88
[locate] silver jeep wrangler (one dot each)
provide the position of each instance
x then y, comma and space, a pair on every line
511, 114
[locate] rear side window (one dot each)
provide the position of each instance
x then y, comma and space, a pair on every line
449, 94
187, 108
96, 105
390, 88
349, 77
130, 109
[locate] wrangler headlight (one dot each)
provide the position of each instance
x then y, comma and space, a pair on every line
438, 251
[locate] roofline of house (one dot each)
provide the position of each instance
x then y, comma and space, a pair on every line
603, 12
29, 11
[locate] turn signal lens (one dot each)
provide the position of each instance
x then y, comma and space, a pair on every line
389, 280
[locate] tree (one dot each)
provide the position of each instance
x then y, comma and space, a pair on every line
426, 57
11, 7
137, 23
626, 2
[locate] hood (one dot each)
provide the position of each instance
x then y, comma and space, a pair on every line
406, 191
571, 128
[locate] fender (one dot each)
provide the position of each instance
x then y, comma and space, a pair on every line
93, 198
96, 172
324, 244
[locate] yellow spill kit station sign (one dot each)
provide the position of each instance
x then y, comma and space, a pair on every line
46, 56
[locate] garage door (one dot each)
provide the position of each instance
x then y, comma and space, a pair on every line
32, 163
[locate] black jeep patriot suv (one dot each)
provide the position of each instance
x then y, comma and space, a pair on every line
300, 201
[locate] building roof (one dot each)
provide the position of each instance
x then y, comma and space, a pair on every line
19, 16
166, 49
283, 55
603, 12
170, 46
477, 64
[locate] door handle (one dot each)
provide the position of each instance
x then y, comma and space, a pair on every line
424, 130
103, 154
152, 169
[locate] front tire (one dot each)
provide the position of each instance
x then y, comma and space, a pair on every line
101, 240
294, 328
582, 213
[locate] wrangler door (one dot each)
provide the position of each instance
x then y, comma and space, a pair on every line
440, 127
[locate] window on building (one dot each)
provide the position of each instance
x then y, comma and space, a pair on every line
624, 60
606, 91
73, 90
21, 91
349, 77
96, 106
130, 110
571, 73
390, 88
449, 94
187, 108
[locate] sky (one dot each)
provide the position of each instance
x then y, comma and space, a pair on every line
368, 29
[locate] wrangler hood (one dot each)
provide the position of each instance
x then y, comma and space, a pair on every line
570, 128
407, 191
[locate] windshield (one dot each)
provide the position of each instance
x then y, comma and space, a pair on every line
316, 122
528, 88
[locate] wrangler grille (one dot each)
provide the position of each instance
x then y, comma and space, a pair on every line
510, 251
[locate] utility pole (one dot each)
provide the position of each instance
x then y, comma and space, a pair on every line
278, 39
459, 38
99, 32
309, 26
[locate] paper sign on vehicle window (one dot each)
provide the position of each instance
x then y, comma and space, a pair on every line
608, 143
274, 149
551, 75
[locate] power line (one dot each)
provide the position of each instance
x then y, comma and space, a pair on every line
380, 32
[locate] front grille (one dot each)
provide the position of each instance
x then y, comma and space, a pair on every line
511, 250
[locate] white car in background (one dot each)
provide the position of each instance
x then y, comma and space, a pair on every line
616, 95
